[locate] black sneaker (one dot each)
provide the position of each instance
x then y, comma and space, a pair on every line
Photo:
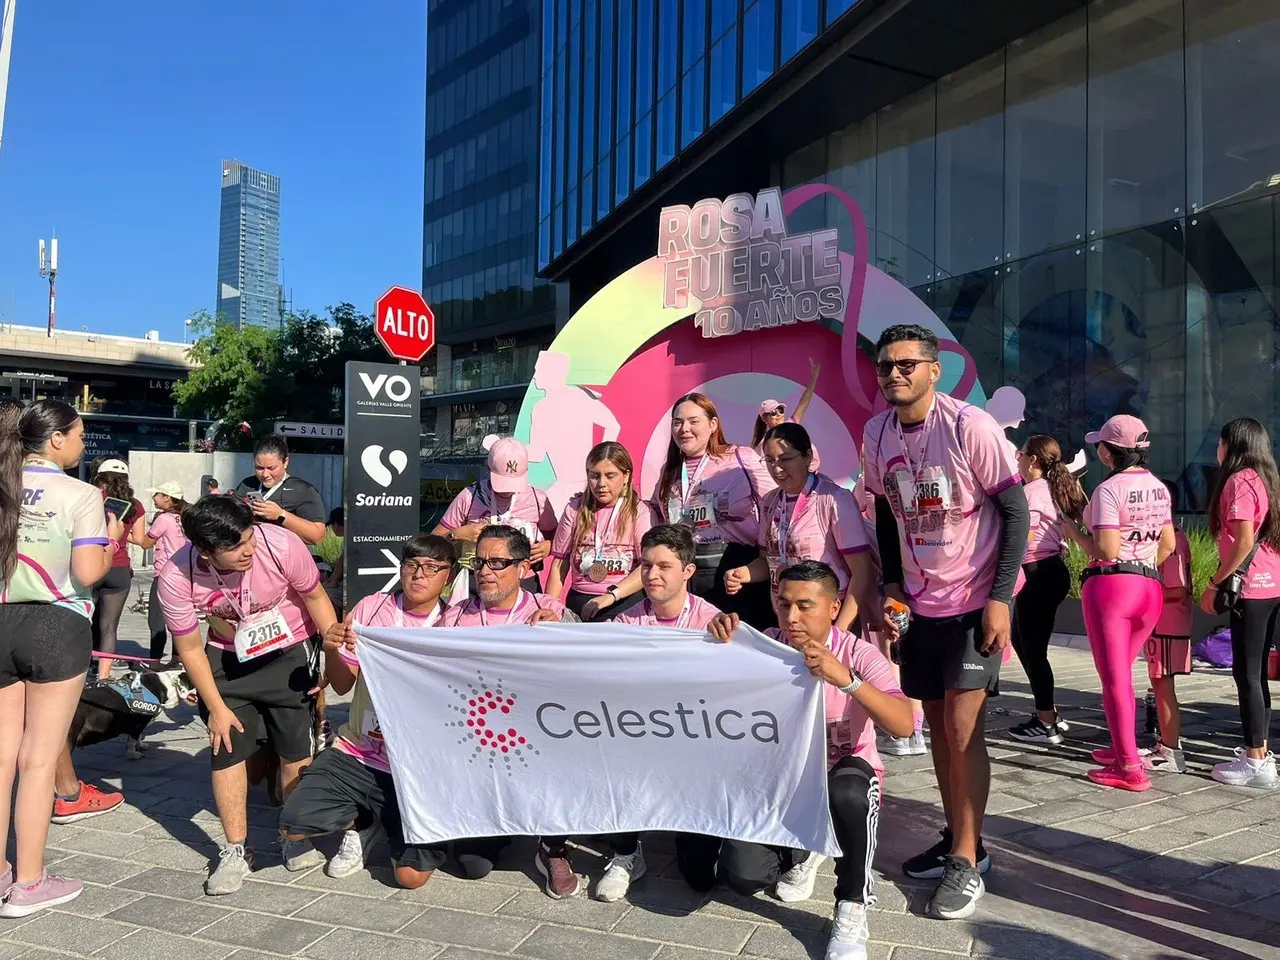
931, 864
959, 891
1035, 730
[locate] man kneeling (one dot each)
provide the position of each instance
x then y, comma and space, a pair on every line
860, 692
349, 787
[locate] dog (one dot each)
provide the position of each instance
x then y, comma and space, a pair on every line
124, 705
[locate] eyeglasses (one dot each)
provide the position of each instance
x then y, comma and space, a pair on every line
493, 563
780, 461
426, 570
884, 368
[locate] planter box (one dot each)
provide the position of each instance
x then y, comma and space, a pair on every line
1070, 619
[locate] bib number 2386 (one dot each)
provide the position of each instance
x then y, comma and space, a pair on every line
261, 633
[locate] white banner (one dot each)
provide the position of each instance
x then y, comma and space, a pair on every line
601, 728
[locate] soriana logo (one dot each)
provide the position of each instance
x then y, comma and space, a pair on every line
487, 724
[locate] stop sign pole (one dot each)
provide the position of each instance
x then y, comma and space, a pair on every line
405, 324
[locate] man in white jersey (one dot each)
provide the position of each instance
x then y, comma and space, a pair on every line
951, 524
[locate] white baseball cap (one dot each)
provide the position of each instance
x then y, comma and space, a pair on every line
170, 488
113, 466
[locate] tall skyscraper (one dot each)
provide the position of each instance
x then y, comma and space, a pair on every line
480, 218
249, 246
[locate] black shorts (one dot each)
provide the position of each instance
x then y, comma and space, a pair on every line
269, 696
43, 643
938, 654
338, 790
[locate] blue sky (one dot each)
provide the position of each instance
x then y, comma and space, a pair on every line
118, 118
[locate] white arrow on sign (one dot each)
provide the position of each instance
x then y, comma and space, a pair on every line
394, 570
318, 431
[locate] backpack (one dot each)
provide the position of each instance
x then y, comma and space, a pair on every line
1214, 648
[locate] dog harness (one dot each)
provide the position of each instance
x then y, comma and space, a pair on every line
137, 698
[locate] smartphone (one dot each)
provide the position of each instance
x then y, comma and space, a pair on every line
254, 496
123, 509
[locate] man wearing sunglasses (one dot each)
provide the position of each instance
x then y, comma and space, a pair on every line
951, 526
501, 561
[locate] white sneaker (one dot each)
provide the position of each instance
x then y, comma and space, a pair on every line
299, 855
912, 746
797, 883
235, 862
349, 859
1164, 759
1243, 772
848, 932
623, 870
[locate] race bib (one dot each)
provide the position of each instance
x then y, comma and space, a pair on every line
261, 633
616, 563
839, 740
371, 731
700, 513
530, 530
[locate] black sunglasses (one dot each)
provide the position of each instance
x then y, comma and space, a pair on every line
884, 368
493, 563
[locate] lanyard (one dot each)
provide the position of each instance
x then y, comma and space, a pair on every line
608, 531
244, 612
432, 617
682, 621
484, 621
687, 485
924, 438
268, 494
786, 517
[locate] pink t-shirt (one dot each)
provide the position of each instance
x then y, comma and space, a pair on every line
529, 512
850, 731
722, 502
361, 735
940, 477
1176, 615
282, 572
1135, 503
1244, 497
1045, 539
619, 547
695, 615
469, 612
166, 531
822, 523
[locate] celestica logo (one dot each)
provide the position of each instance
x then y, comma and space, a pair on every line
487, 724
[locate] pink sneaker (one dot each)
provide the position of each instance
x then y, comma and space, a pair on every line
46, 891
1114, 775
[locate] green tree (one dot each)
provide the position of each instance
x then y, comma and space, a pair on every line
258, 375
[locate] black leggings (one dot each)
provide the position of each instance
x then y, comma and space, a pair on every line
109, 598
155, 622
1253, 627
1034, 611
854, 796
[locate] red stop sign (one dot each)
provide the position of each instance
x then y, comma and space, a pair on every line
405, 324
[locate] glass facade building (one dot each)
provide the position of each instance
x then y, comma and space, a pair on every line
1091, 205
479, 269
249, 247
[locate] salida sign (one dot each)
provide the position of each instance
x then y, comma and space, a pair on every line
405, 324
737, 260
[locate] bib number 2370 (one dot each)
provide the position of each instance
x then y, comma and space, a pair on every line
261, 633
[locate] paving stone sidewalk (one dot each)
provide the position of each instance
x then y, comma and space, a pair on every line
1188, 869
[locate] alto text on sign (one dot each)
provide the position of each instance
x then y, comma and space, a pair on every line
405, 324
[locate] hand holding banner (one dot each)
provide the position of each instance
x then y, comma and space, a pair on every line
598, 729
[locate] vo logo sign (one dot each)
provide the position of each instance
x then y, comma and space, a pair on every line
396, 388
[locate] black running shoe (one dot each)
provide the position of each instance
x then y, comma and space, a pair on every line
1035, 730
931, 864
959, 891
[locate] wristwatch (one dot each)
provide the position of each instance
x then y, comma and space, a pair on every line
612, 590
852, 685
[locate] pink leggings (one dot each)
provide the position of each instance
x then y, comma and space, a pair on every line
1120, 611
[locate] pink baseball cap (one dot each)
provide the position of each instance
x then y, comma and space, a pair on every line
1122, 430
508, 464
771, 406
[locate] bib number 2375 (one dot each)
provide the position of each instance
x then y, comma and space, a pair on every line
261, 633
